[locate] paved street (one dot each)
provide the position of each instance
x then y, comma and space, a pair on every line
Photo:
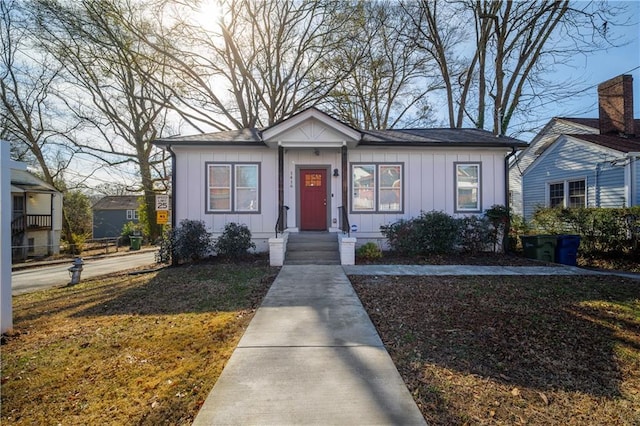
39, 278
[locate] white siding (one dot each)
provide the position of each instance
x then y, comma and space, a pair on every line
190, 191
429, 182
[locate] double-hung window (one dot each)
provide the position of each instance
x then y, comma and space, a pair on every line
132, 215
377, 188
468, 195
233, 187
568, 194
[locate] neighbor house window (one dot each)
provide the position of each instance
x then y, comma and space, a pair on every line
468, 187
377, 188
233, 187
568, 194
132, 214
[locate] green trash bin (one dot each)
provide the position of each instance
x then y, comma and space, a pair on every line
136, 242
540, 247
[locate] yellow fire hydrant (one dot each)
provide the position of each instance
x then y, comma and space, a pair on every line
75, 270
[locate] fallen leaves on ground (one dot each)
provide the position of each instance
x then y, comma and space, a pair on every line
513, 350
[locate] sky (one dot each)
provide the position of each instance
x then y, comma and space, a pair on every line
602, 66
588, 70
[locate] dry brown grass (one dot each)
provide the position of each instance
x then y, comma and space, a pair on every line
142, 349
513, 350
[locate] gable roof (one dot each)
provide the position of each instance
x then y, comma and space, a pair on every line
117, 202
434, 137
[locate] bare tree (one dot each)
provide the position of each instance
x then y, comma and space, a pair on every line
110, 83
500, 65
265, 61
29, 113
389, 80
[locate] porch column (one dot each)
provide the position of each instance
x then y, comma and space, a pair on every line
281, 226
345, 180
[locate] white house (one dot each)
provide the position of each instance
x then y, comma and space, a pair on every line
36, 215
312, 172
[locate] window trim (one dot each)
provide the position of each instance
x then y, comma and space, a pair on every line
456, 206
565, 191
232, 187
376, 193
132, 214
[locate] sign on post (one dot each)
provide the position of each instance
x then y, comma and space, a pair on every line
162, 202
162, 217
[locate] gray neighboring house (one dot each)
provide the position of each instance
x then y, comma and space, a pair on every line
583, 162
112, 212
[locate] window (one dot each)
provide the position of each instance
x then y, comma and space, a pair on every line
556, 195
232, 187
468, 187
376, 188
577, 194
132, 214
568, 194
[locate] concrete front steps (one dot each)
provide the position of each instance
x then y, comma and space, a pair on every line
312, 248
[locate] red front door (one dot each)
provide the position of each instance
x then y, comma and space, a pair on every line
313, 200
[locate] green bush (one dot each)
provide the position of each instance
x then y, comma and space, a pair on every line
369, 251
475, 233
128, 229
234, 241
602, 230
433, 232
189, 242
401, 237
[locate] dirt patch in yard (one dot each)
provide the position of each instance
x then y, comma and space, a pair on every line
513, 350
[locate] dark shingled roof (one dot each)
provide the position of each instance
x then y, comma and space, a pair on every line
594, 122
438, 137
619, 143
240, 137
117, 202
399, 137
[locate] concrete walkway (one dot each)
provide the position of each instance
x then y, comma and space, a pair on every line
310, 356
478, 270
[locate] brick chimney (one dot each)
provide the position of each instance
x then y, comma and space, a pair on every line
615, 105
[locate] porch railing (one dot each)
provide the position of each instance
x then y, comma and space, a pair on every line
344, 221
31, 221
281, 223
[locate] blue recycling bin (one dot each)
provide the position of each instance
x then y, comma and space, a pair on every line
567, 249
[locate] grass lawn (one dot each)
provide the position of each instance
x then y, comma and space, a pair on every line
142, 349
513, 350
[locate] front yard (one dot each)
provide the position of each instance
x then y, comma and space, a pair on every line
147, 349
143, 349
513, 350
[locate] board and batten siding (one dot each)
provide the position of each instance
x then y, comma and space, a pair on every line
429, 182
191, 197
570, 159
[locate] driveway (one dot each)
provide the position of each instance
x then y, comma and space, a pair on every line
42, 277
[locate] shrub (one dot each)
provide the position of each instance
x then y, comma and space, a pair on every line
234, 241
369, 251
430, 233
128, 229
437, 232
401, 237
602, 230
475, 233
189, 242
